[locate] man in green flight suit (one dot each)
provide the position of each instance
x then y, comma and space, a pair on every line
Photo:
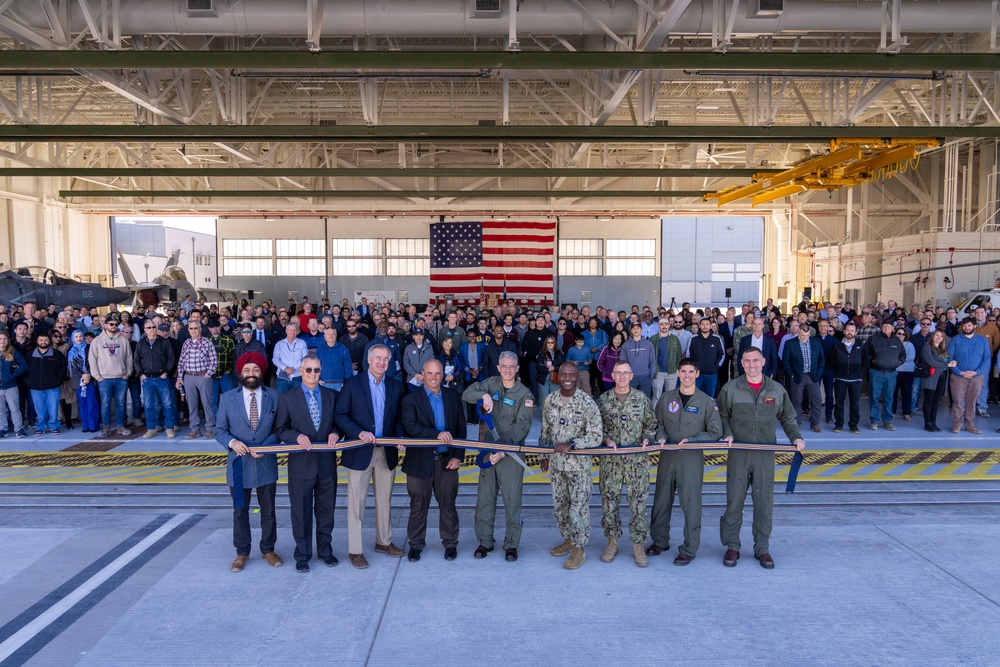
749, 407
570, 420
511, 405
683, 415
628, 421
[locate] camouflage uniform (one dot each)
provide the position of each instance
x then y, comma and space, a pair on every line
512, 412
682, 473
579, 424
627, 423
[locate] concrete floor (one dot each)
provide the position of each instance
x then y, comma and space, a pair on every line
901, 574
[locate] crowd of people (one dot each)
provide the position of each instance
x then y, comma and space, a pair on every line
607, 378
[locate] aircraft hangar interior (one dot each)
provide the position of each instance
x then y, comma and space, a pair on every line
577, 153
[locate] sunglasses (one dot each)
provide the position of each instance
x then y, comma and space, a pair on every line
246, 330
310, 370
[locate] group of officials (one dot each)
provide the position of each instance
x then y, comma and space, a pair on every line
371, 406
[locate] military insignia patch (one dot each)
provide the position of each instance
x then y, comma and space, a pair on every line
769, 400
528, 403
674, 407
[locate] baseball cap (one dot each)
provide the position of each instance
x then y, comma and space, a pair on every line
163, 326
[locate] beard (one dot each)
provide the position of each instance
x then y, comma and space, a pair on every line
252, 382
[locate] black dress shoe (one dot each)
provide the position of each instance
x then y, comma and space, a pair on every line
929, 428
450, 553
683, 559
766, 561
511, 555
302, 566
329, 561
481, 552
413, 556
655, 549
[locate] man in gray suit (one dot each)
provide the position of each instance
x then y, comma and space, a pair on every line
246, 418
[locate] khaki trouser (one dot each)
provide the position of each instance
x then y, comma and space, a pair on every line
377, 473
964, 392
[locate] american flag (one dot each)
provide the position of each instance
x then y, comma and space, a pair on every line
469, 256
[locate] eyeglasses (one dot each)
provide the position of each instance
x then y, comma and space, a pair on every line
194, 328
246, 331
149, 326
621, 374
310, 370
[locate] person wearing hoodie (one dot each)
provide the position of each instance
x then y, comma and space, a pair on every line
80, 379
46, 372
110, 360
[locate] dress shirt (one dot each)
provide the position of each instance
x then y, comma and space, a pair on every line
378, 402
197, 358
437, 407
289, 355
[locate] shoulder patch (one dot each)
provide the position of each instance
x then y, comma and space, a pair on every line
716, 406
528, 403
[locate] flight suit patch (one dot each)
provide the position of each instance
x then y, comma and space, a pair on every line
508, 401
692, 409
528, 403
674, 407
769, 400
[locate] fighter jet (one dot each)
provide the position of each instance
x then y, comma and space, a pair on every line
172, 286
44, 286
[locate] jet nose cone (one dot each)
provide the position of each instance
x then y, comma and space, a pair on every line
116, 295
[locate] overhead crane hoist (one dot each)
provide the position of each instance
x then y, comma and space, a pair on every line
850, 162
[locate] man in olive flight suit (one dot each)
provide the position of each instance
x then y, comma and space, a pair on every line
511, 405
683, 415
749, 406
570, 420
628, 419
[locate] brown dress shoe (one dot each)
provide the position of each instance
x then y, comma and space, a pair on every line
273, 559
729, 560
358, 560
766, 561
239, 564
683, 559
389, 549
654, 549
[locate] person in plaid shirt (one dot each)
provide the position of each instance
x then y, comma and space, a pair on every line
195, 369
225, 355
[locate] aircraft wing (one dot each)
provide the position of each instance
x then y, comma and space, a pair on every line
222, 295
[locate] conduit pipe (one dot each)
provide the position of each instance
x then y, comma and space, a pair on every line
553, 17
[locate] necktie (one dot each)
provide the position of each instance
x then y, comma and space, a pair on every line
314, 409
260, 336
254, 412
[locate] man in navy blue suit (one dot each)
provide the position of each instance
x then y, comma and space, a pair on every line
305, 416
246, 418
433, 412
763, 343
368, 409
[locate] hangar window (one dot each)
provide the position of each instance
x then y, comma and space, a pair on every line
301, 257
356, 257
247, 257
301, 248
630, 257
580, 257
407, 257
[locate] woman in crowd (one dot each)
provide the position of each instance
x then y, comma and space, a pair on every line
452, 365
548, 362
79, 379
595, 339
934, 355
904, 376
67, 393
776, 331
12, 366
609, 357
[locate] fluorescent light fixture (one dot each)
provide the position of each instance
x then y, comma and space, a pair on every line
725, 90
500, 218
707, 107
383, 218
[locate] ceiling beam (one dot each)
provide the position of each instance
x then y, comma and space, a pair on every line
778, 61
480, 134
382, 194
363, 172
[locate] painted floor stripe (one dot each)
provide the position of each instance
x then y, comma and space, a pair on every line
19, 639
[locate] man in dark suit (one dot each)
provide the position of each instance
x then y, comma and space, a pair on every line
433, 413
763, 343
305, 416
804, 362
246, 418
368, 409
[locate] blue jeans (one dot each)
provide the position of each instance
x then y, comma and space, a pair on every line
914, 400
113, 388
881, 387
828, 383
283, 385
220, 386
158, 401
134, 385
46, 402
707, 383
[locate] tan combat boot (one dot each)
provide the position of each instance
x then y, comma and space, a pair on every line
640, 555
575, 559
611, 551
562, 549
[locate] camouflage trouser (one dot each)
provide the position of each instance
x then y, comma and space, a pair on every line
571, 502
632, 470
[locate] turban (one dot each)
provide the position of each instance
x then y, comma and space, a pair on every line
251, 358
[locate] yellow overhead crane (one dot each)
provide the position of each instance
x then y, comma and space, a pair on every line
849, 163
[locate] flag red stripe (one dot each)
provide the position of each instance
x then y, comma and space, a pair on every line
550, 226
547, 252
496, 277
493, 264
466, 290
520, 238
